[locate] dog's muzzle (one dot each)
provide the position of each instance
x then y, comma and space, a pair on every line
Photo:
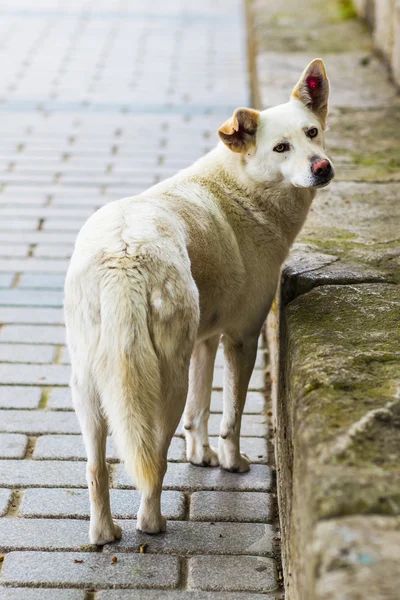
322, 171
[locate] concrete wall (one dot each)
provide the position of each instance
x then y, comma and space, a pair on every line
383, 17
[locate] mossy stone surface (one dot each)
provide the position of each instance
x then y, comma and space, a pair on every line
343, 382
364, 146
350, 552
325, 26
358, 223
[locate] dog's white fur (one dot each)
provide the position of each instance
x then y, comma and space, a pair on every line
155, 281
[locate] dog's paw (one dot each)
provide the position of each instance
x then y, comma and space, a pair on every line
205, 456
101, 534
151, 524
234, 464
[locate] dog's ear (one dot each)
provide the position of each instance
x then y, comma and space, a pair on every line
313, 89
239, 132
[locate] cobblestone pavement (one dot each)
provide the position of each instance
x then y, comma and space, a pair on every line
99, 100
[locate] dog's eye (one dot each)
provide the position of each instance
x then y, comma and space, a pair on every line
281, 148
313, 132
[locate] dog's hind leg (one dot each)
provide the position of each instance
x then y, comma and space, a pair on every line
239, 363
199, 452
94, 430
174, 392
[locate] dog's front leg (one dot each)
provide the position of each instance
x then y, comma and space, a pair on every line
240, 357
198, 449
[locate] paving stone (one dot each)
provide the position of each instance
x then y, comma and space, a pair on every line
41, 594
181, 537
6, 279
38, 422
255, 402
43, 334
183, 476
228, 573
231, 506
50, 473
188, 538
45, 316
16, 297
60, 399
257, 379
38, 534
71, 447
44, 281
34, 374
33, 265
13, 445
260, 360
59, 251
74, 503
255, 448
5, 499
17, 396
176, 595
13, 250
96, 570
26, 353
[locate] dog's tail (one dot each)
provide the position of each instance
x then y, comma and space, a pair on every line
130, 379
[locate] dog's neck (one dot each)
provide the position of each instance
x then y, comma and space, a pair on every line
223, 173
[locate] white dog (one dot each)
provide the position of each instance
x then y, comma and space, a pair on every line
156, 280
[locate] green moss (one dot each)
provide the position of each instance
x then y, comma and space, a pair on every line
90, 548
389, 160
346, 10
340, 491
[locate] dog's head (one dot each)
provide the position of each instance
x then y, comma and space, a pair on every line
285, 143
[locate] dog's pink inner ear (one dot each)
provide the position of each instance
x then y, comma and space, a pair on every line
313, 83
313, 89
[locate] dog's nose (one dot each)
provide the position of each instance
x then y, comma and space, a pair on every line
321, 168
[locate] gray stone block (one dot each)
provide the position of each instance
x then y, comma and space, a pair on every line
40, 594
40, 534
74, 503
257, 379
5, 499
71, 447
16, 396
260, 360
187, 538
50, 473
255, 402
34, 265
176, 595
20, 297
33, 334
25, 315
13, 445
96, 571
228, 573
6, 279
26, 353
38, 422
60, 399
35, 374
45, 281
183, 476
231, 506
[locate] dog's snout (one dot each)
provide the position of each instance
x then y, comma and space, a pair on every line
321, 167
